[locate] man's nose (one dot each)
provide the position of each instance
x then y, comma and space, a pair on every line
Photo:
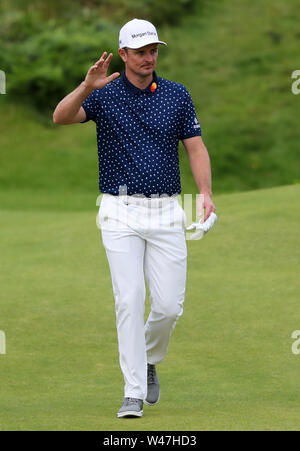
149, 58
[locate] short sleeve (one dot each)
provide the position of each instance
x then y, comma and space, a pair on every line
189, 125
91, 106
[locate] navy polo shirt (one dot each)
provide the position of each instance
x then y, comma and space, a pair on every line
138, 133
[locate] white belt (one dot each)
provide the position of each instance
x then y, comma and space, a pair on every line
145, 201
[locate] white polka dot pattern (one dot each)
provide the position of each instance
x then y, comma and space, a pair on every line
138, 133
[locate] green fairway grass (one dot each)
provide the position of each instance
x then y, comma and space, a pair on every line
230, 364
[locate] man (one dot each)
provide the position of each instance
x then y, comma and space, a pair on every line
140, 119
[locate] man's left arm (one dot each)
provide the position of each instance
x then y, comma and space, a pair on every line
200, 166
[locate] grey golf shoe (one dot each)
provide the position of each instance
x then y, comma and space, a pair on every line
132, 407
153, 389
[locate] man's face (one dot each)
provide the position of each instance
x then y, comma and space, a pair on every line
140, 61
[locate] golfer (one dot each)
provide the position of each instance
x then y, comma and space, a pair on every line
140, 118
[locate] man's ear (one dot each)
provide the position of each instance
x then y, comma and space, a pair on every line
123, 55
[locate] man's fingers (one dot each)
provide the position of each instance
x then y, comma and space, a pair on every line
210, 222
207, 213
102, 56
113, 76
100, 60
108, 59
103, 60
91, 70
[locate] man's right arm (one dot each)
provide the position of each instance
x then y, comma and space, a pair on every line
70, 110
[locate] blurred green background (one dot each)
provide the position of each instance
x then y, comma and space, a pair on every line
236, 59
230, 365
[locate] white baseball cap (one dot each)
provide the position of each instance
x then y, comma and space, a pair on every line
137, 33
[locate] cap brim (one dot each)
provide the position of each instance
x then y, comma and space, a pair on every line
138, 46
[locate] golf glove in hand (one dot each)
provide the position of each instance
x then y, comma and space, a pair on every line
202, 228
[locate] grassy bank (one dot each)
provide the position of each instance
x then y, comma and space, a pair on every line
236, 58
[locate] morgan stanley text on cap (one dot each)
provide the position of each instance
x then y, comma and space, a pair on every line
138, 33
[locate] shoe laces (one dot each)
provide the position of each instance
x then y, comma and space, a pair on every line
133, 401
151, 374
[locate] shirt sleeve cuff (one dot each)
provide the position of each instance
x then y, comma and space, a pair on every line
191, 135
87, 115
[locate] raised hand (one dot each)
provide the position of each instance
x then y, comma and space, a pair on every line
96, 77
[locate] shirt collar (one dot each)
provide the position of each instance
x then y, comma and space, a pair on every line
134, 89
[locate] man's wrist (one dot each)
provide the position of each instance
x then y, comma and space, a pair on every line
86, 87
206, 193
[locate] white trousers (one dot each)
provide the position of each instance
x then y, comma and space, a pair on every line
144, 237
